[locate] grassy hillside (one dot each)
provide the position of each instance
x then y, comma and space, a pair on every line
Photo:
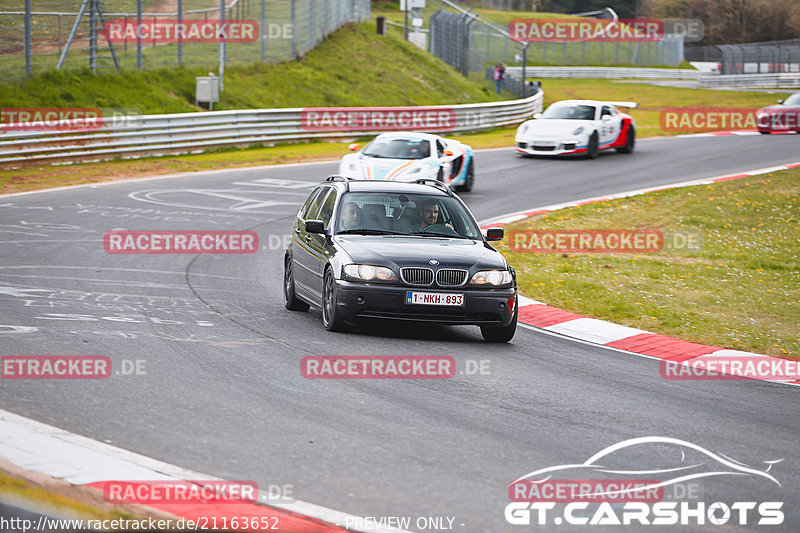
353, 67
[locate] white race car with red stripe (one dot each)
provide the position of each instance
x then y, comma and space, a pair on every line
409, 156
578, 127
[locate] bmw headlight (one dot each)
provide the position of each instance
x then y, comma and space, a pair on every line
370, 273
491, 277
578, 131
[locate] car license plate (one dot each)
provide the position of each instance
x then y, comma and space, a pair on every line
435, 298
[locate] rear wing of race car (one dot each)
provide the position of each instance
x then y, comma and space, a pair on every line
624, 104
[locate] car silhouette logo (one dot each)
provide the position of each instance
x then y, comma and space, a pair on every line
433, 262
709, 464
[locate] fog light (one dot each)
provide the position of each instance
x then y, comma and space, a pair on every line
360, 299
501, 306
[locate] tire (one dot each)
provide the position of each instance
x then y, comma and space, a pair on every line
501, 334
330, 315
290, 299
593, 149
629, 143
469, 181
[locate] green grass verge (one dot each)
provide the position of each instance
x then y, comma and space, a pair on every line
48, 176
651, 98
65, 501
353, 67
739, 290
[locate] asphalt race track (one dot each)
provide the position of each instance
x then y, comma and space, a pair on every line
222, 393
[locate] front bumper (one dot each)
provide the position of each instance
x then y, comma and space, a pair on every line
482, 307
552, 148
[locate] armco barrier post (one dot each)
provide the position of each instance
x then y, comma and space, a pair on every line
28, 68
138, 36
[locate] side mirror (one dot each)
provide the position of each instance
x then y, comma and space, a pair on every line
537, 115
606, 118
315, 226
353, 147
494, 234
780, 101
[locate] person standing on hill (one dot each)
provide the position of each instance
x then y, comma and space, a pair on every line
499, 76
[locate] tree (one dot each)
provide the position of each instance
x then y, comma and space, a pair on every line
623, 8
733, 21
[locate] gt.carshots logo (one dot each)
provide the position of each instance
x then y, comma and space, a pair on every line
582, 494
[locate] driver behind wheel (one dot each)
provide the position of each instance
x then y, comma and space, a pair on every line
429, 215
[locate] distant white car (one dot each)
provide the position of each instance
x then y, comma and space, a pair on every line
409, 156
578, 127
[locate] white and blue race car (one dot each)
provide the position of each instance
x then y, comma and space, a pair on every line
578, 127
409, 156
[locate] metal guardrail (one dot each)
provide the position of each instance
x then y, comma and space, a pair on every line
607, 73
150, 135
756, 81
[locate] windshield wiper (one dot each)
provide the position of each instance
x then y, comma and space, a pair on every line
436, 234
367, 231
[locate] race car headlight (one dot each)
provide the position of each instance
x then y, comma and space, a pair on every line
578, 130
353, 166
415, 170
522, 129
370, 273
491, 277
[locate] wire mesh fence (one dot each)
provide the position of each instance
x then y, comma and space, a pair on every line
38, 35
469, 44
761, 58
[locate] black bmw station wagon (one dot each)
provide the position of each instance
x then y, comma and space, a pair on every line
401, 251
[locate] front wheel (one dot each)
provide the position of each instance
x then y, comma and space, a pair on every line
290, 299
503, 333
593, 149
629, 144
330, 298
469, 181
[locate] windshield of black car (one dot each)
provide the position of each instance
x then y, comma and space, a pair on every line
793, 100
398, 148
570, 112
373, 213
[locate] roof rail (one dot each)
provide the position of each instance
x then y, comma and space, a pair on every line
339, 177
435, 183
